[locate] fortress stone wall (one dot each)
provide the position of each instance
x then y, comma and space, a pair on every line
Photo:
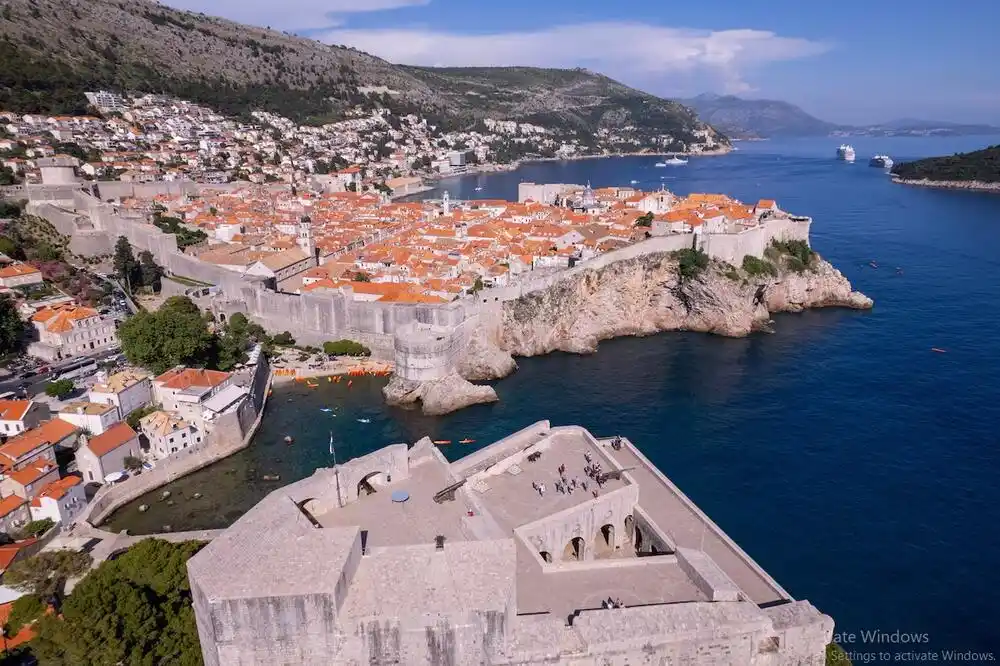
391, 330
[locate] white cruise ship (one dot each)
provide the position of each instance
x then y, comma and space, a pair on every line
845, 153
881, 161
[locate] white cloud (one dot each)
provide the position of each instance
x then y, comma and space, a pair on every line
635, 52
289, 14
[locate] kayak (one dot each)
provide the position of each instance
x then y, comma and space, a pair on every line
466, 441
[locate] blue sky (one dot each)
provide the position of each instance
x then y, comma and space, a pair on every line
849, 61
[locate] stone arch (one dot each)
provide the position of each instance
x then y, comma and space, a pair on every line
629, 534
369, 483
222, 317
638, 540
546, 556
575, 549
604, 541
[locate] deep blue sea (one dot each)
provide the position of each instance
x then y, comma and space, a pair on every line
857, 466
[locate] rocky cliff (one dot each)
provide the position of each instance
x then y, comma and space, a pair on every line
648, 295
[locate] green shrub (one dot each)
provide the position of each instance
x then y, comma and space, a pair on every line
733, 275
757, 267
59, 388
346, 348
796, 249
137, 415
25, 610
284, 339
37, 527
691, 262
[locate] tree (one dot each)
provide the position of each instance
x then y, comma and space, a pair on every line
135, 609
45, 573
644, 220
125, 263
137, 415
284, 339
346, 348
149, 271
11, 326
173, 335
361, 277
60, 388
132, 464
25, 610
37, 527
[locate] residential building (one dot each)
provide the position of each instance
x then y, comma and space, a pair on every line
29, 480
37, 444
168, 434
61, 501
105, 454
14, 513
16, 416
184, 390
127, 390
65, 331
282, 265
19, 275
93, 417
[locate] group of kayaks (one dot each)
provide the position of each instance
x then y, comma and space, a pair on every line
442, 442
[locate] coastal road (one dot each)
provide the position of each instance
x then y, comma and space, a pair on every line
36, 384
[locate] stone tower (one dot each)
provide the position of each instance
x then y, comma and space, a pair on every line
446, 203
305, 236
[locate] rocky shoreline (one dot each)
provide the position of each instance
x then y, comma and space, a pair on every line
641, 296
970, 185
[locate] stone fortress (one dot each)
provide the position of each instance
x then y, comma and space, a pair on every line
437, 348
400, 557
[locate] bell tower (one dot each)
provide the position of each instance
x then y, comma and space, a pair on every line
305, 239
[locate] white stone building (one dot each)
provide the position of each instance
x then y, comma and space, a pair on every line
105, 454
168, 434
19, 275
61, 501
93, 417
127, 390
65, 331
183, 391
16, 416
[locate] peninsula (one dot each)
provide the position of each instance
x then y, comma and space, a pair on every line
978, 170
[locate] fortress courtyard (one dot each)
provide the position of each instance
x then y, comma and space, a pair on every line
548, 546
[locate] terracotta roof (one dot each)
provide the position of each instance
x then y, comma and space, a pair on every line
182, 378
31, 473
117, 435
60, 318
13, 410
50, 432
161, 423
90, 408
7, 554
10, 504
15, 270
120, 381
27, 631
284, 259
56, 489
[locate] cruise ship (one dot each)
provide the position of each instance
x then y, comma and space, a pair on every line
845, 153
881, 161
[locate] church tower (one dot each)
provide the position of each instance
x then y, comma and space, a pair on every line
306, 238
446, 203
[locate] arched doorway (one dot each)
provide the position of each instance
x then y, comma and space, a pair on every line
638, 540
574, 550
546, 556
222, 317
368, 485
604, 541
629, 528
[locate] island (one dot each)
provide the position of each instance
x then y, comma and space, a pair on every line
978, 170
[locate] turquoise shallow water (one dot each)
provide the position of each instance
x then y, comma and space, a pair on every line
858, 467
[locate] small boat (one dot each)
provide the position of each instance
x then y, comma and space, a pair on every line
288, 439
939, 350
271, 477
634, 182
364, 420
660, 164
325, 409
873, 264
349, 382
676, 161
479, 189
466, 441
311, 385
442, 441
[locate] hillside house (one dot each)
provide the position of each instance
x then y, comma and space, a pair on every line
65, 331
16, 416
105, 454
127, 390
94, 417
168, 434
61, 501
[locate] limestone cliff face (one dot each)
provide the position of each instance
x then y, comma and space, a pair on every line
647, 295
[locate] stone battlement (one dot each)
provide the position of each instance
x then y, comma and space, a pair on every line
403, 557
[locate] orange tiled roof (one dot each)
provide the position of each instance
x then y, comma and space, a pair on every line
10, 504
182, 378
60, 318
13, 410
115, 436
7, 554
17, 269
31, 473
56, 489
50, 432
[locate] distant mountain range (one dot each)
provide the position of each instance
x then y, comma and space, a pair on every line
741, 118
